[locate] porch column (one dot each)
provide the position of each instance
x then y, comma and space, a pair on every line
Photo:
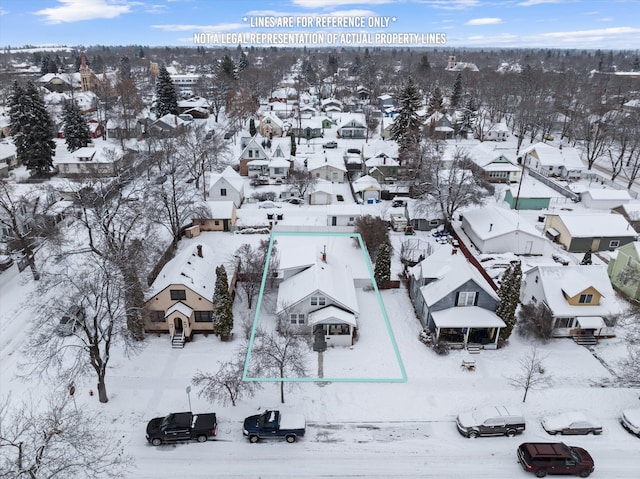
437, 334
497, 336
466, 336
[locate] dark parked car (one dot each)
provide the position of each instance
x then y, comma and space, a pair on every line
273, 425
355, 151
542, 458
491, 421
181, 426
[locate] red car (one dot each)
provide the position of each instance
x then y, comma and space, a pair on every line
544, 458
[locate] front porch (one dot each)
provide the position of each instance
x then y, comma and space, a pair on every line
468, 327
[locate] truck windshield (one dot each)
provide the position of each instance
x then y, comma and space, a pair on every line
165, 422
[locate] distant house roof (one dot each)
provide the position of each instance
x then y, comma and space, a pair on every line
485, 154
231, 176
608, 194
366, 183
557, 157
188, 269
221, 210
492, 221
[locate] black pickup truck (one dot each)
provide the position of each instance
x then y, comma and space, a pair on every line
274, 424
181, 426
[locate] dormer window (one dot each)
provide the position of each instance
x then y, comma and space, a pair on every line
585, 299
466, 298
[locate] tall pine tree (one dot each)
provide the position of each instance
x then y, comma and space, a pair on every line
252, 127
435, 101
406, 127
509, 294
222, 306
31, 128
293, 144
166, 94
456, 95
382, 270
76, 130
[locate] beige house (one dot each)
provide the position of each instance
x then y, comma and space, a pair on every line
222, 217
180, 300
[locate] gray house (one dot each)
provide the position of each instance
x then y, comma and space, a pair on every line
453, 301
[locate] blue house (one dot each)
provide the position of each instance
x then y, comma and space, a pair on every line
453, 301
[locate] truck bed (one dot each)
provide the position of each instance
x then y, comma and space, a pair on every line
292, 421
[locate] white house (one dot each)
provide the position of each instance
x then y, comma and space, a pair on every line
227, 186
551, 161
330, 169
497, 132
322, 193
103, 159
604, 199
499, 230
498, 165
578, 297
368, 187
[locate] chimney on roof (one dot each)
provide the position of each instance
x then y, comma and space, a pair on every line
384, 160
199, 247
324, 254
490, 226
454, 251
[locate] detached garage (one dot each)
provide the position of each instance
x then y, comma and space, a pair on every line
499, 230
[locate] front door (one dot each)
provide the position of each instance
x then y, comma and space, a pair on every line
177, 323
595, 245
334, 220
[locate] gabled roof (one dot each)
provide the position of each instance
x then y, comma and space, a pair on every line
485, 153
366, 183
449, 271
253, 143
333, 279
556, 279
608, 194
551, 156
315, 163
331, 314
491, 221
188, 269
597, 225
221, 210
357, 123
229, 176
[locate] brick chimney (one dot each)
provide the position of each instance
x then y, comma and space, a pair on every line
199, 247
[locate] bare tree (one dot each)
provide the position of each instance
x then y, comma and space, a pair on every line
594, 135
129, 102
371, 119
282, 354
201, 151
26, 216
51, 439
226, 385
300, 182
94, 292
251, 264
531, 374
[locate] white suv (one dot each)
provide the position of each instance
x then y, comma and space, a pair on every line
630, 420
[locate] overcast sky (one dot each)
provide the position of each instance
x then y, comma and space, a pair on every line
609, 24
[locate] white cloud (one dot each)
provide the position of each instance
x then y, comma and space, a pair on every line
585, 34
335, 3
156, 9
222, 27
79, 10
451, 4
484, 21
529, 3
3, 11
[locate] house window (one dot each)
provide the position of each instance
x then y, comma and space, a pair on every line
318, 300
585, 299
203, 316
466, 298
337, 329
564, 323
296, 318
614, 243
178, 294
156, 316
250, 153
223, 192
434, 222
216, 222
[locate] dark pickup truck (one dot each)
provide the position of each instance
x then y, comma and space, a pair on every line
273, 424
181, 426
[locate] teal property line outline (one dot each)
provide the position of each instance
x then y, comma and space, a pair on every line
245, 377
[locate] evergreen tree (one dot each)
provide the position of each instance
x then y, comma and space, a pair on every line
31, 128
125, 68
76, 130
424, 66
435, 101
586, 259
222, 305
382, 270
406, 127
456, 96
227, 68
509, 294
293, 144
252, 127
243, 62
166, 94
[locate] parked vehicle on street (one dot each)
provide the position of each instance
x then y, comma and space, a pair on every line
268, 204
491, 421
274, 424
5, 262
574, 422
630, 420
181, 426
294, 201
330, 144
542, 458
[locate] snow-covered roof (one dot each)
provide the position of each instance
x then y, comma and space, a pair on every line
487, 153
532, 188
317, 162
188, 269
333, 278
331, 314
101, 152
221, 210
492, 221
381, 160
632, 210
7, 150
597, 225
366, 183
463, 317
322, 186
449, 271
181, 308
194, 102
230, 176
556, 279
608, 194
552, 156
